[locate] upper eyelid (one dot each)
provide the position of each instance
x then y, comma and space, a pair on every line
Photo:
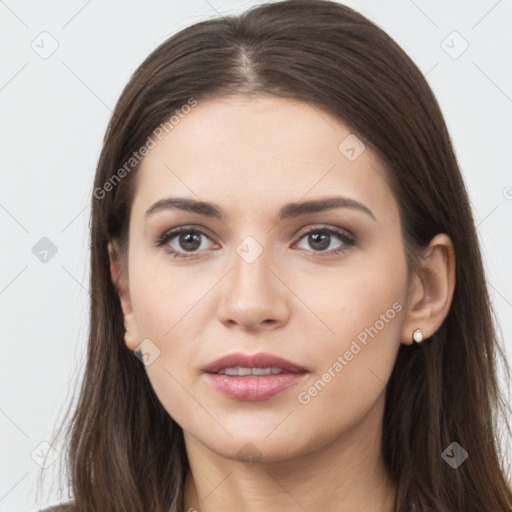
325, 227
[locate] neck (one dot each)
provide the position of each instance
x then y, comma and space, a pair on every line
345, 475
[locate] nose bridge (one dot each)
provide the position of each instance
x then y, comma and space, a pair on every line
252, 294
250, 266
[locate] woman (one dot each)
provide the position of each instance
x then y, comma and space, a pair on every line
288, 303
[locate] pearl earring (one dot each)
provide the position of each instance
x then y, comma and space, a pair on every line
417, 336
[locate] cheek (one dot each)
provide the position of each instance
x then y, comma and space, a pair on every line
165, 299
366, 340
167, 305
353, 366
363, 309
351, 300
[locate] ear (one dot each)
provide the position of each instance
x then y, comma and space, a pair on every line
431, 292
119, 275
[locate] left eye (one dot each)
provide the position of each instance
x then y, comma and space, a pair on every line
321, 238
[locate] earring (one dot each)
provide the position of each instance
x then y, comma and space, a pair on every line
417, 336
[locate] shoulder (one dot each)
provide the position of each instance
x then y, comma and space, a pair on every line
64, 507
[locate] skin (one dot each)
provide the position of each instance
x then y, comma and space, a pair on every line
251, 156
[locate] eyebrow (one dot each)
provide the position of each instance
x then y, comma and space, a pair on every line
289, 210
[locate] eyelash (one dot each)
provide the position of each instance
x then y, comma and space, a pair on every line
348, 240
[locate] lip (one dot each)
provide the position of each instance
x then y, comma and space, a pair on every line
253, 387
259, 360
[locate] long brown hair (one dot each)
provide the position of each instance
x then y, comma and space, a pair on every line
125, 452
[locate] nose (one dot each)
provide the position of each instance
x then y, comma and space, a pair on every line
254, 296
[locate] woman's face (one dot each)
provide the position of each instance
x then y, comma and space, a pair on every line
325, 289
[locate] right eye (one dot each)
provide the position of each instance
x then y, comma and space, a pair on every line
188, 240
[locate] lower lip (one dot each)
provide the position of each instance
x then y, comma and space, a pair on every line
253, 388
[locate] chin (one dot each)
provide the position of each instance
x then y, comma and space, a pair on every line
256, 451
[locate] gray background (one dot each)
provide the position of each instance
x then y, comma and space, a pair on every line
54, 114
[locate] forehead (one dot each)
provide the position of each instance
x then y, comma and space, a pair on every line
240, 150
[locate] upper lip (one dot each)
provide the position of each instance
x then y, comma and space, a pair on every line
260, 360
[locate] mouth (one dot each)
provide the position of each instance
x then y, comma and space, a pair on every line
253, 377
